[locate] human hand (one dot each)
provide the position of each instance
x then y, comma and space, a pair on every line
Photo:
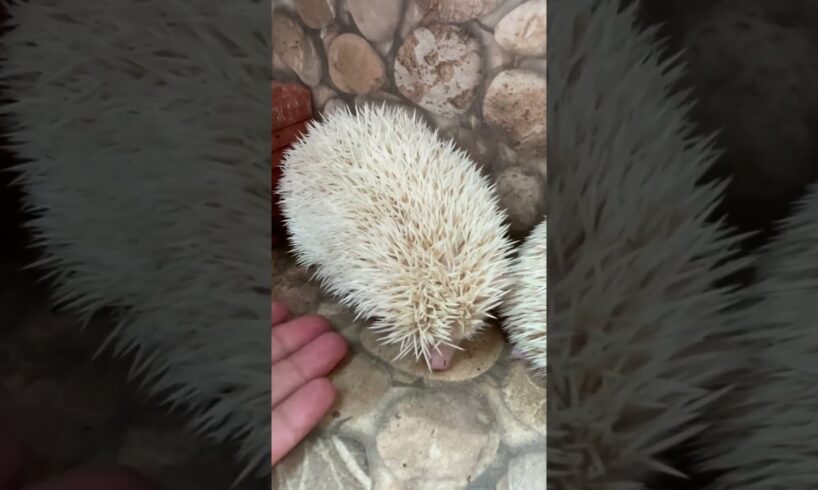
304, 352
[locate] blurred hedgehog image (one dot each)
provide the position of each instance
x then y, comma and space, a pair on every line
526, 305
400, 225
763, 437
634, 262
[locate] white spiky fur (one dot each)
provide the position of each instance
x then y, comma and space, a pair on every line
765, 439
399, 224
526, 305
148, 146
632, 259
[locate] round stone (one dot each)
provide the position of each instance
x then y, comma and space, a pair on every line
316, 13
438, 67
361, 384
376, 19
523, 31
477, 357
525, 472
432, 439
525, 398
333, 105
515, 103
522, 193
296, 49
354, 66
457, 10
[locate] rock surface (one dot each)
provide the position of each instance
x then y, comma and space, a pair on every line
316, 13
523, 31
457, 10
297, 50
438, 67
355, 67
376, 19
515, 104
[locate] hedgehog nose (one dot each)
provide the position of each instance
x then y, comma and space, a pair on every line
441, 358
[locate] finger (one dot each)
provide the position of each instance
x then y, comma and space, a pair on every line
296, 416
314, 360
295, 334
117, 478
278, 313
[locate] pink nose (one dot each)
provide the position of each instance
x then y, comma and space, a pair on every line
441, 358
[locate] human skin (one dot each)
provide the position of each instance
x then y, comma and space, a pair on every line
304, 351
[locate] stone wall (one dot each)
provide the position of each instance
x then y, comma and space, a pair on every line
475, 69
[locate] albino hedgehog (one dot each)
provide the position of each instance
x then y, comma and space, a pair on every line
526, 305
400, 225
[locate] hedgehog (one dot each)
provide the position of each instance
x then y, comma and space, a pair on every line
525, 306
763, 437
400, 225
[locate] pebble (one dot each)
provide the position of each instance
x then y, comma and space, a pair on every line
457, 10
523, 30
515, 103
316, 13
376, 19
522, 194
296, 49
354, 66
438, 67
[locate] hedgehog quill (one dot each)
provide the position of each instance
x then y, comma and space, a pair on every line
400, 225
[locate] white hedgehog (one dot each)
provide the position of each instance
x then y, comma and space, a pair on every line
766, 438
400, 225
526, 305
633, 259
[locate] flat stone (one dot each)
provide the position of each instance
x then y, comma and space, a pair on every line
295, 288
296, 49
316, 13
525, 472
355, 67
438, 67
522, 193
376, 19
320, 96
457, 10
515, 103
432, 439
479, 355
325, 463
333, 105
361, 384
525, 397
523, 30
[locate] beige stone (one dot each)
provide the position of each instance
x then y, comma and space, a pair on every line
437, 438
316, 13
325, 463
479, 355
412, 17
334, 105
376, 19
361, 384
526, 397
457, 10
515, 103
354, 66
296, 49
439, 68
492, 18
523, 30
522, 193
320, 96
525, 472
295, 288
